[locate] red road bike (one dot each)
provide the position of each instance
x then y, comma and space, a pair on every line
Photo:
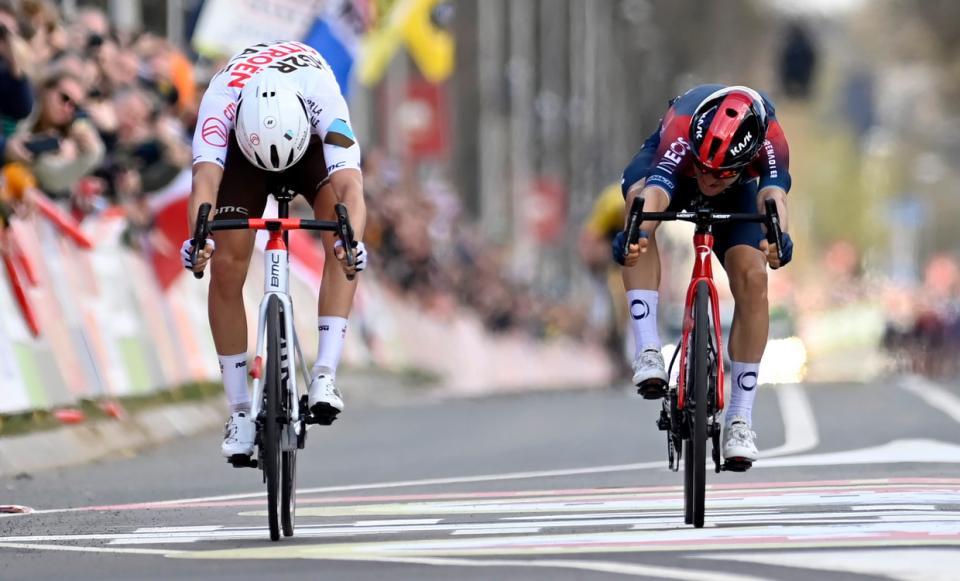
691, 409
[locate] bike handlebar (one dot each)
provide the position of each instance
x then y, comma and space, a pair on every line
341, 226
705, 217
273, 224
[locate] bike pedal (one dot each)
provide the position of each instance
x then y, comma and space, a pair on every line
737, 465
652, 389
322, 414
663, 422
242, 461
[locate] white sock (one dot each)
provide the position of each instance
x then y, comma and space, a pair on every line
333, 330
642, 305
233, 368
743, 388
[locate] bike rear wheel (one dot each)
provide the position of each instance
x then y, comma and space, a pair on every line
270, 444
698, 432
688, 481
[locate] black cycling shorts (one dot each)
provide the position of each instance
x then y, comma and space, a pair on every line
244, 188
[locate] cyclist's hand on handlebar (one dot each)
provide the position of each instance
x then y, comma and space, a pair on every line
633, 255
359, 257
202, 257
770, 250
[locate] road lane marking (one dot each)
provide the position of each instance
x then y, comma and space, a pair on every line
899, 564
896, 452
799, 422
631, 569
894, 507
70, 548
496, 531
378, 486
936, 396
770, 515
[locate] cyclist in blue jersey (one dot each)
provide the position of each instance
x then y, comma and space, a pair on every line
722, 146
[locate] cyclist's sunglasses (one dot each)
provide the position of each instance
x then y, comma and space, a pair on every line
720, 174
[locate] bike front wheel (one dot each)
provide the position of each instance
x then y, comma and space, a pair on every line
697, 400
271, 432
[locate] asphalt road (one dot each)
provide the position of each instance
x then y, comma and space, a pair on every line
859, 482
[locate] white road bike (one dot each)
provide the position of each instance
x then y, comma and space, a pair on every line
278, 404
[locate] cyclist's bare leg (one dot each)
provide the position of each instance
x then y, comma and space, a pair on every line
336, 292
334, 302
645, 274
747, 270
641, 278
228, 271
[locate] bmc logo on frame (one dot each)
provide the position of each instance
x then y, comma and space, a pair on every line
275, 270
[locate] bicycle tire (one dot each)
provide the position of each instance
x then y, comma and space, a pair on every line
701, 329
688, 482
271, 454
288, 489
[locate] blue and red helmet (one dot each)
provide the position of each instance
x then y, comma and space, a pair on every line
727, 129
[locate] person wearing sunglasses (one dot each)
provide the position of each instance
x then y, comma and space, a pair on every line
57, 141
720, 146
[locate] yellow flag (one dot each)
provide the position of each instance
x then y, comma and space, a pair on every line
408, 23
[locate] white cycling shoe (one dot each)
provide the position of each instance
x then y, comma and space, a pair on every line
324, 400
650, 374
739, 441
239, 435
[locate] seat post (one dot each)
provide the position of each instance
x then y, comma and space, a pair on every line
284, 196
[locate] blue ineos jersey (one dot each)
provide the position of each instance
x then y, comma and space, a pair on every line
665, 159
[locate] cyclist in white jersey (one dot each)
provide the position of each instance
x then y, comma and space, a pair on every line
274, 115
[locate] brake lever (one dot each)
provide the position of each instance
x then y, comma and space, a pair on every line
345, 232
774, 234
635, 218
200, 232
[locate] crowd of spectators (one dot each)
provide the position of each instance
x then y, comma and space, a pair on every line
926, 343
922, 333
427, 249
99, 117
105, 118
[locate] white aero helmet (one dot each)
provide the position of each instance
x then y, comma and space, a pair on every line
273, 128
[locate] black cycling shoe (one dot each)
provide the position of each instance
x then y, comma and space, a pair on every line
652, 389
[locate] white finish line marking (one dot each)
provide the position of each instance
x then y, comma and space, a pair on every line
599, 566
800, 431
763, 516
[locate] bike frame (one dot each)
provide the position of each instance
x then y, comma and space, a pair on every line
276, 274
702, 271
